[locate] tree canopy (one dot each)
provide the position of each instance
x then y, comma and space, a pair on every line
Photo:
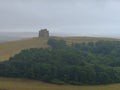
79, 64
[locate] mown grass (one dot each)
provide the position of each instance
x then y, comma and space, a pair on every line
26, 84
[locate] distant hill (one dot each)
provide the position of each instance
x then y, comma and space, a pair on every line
12, 36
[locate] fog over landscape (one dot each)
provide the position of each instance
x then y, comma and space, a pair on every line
63, 17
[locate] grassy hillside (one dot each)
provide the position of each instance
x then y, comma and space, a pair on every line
24, 84
9, 49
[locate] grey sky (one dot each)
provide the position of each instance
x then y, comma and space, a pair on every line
77, 17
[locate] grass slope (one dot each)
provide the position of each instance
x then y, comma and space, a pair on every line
9, 49
25, 84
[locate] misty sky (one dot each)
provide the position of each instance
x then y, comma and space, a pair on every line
75, 17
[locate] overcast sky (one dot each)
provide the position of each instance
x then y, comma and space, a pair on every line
77, 17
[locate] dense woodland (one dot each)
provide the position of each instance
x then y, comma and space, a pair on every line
79, 64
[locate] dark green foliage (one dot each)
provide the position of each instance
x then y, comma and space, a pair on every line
80, 64
57, 44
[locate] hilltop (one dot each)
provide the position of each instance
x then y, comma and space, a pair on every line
11, 48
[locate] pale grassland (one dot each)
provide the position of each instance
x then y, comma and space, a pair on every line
25, 84
84, 39
9, 49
